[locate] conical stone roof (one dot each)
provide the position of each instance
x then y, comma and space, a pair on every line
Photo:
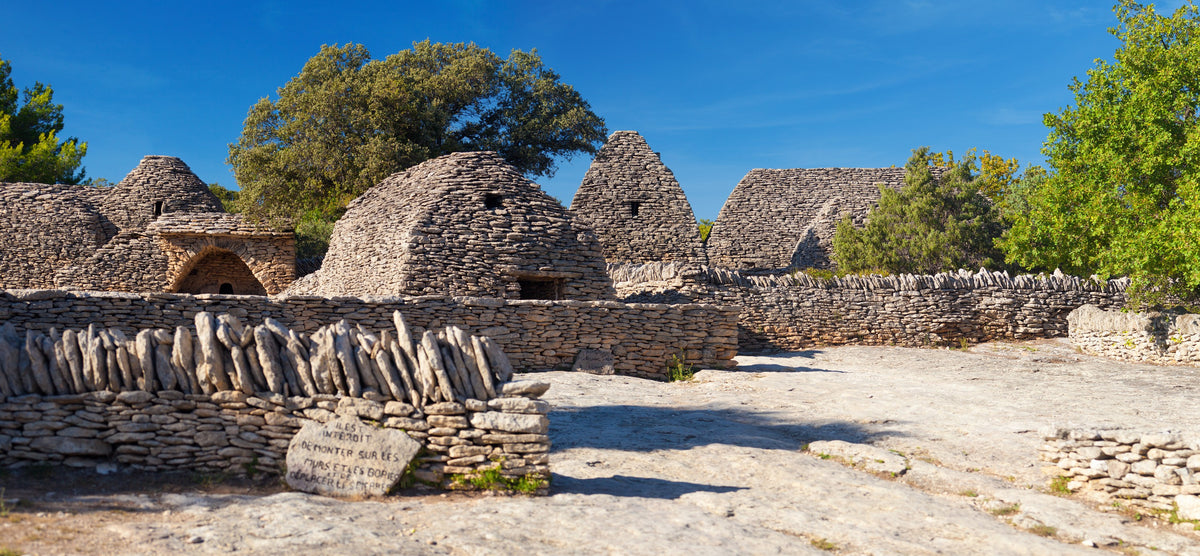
461, 224
159, 185
636, 206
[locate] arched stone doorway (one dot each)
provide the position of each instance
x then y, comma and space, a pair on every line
218, 271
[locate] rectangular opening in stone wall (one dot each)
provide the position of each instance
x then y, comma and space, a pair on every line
540, 288
635, 208
493, 201
158, 208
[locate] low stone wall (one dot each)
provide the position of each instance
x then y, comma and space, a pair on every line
796, 311
240, 433
1154, 471
1163, 338
536, 335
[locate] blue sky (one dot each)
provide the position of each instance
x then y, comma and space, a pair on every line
718, 88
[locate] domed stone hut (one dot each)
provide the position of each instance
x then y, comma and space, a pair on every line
45, 227
635, 205
462, 224
779, 219
159, 229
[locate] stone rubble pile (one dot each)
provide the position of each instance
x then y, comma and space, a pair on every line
222, 354
1155, 471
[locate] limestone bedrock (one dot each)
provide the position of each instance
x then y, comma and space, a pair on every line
345, 457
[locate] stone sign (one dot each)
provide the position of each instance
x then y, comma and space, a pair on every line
346, 457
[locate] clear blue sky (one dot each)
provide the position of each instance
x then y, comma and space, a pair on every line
718, 88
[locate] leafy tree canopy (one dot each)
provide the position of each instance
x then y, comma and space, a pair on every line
347, 121
927, 226
29, 147
1123, 193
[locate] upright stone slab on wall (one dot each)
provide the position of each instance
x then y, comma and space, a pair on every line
634, 204
777, 219
464, 224
536, 334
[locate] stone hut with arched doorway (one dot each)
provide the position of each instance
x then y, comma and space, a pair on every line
785, 219
636, 207
464, 224
129, 237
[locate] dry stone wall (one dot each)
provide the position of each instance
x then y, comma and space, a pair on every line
635, 205
787, 312
461, 224
777, 219
223, 395
1164, 338
1150, 471
537, 335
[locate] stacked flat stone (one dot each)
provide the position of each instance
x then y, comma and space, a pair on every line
233, 431
221, 354
1163, 338
627, 177
461, 224
797, 311
538, 334
1155, 471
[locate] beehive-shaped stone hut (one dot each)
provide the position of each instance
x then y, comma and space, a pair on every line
636, 206
159, 185
45, 227
778, 219
461, 224
159, 229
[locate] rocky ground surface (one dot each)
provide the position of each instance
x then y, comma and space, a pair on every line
910, 451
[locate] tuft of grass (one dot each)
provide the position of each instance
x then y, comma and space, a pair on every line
823, 544
1058, 485
1043, 530
963, 344
1007, 510
492, 479
6, 551
678, 369
970, 493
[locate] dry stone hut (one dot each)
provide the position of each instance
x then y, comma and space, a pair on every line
159, 229
636, 207
778, 219
462, 224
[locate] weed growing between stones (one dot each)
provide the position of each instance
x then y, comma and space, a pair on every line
492, 479
1058, 485
679, 369
970, 493
4, 509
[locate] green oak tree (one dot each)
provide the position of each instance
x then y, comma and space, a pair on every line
1122, 195
347, 121
927, 226
29, 147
